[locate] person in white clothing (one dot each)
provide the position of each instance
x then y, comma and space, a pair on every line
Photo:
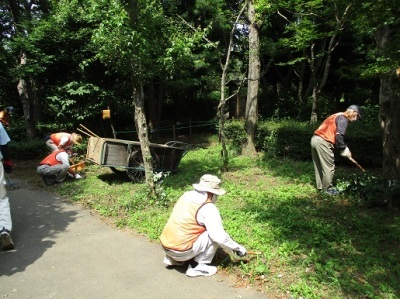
194, 230
6, 241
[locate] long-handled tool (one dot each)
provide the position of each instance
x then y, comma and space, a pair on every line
88, 132
356, 163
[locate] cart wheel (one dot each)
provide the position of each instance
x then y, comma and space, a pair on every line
135, 170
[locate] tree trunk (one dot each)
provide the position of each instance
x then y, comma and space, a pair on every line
223, 100
389, 100
140, 116
25, 91
142, 130
25, 86
253, 82
317, 64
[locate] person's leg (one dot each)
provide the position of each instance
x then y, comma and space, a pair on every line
203, 250
324, 150
201, 254
61, 172
44, 172
51, 145
316, 163
5, 215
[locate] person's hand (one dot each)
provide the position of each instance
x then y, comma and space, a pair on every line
78, 176
346, 153
241, 251
7, 165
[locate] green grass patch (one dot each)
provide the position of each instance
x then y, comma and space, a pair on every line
312, 245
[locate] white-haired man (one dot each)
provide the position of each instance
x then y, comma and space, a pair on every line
194, 230
330, 136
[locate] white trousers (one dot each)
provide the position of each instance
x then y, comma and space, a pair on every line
203, 251
5, 214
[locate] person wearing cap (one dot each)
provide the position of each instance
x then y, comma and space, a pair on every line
194, 230
329, 136
61, 140
55, 168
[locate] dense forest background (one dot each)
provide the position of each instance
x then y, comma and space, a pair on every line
63, 62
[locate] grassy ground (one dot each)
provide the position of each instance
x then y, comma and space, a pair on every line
311, 245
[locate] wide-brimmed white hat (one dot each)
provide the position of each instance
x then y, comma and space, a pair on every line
210, 183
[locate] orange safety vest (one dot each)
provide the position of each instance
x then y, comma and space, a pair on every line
56, 138
327, 130
51, 159
182, 228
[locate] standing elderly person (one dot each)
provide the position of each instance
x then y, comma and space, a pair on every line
55, 168
194, 230
5, 213
330, 136
62, 140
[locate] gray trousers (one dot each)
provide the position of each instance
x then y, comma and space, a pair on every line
324, 162
58, 172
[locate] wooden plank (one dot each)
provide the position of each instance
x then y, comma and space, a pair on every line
115, 154
94, 149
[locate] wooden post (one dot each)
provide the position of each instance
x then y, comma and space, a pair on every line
173, 133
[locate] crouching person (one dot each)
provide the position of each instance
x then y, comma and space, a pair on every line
194, 230
55, 168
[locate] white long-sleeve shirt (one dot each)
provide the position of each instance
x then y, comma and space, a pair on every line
209, 216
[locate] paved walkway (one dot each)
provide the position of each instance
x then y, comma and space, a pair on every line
62, 251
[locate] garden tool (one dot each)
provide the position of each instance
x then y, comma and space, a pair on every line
239, 254
355, 162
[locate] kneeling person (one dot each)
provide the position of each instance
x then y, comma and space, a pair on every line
55, 167
194, 230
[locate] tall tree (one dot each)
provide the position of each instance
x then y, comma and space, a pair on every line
379, 21
224, 99
126, 40
315, 29
253, 80
23, 14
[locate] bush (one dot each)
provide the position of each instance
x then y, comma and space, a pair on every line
291, 139
26, 150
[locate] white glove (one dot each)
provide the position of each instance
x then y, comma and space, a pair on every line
241, 251
346, 153
77, 176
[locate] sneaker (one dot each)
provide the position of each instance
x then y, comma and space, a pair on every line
201, 270
171, 262
331, 191
5, 240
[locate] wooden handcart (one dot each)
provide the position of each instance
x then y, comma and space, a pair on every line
126, 156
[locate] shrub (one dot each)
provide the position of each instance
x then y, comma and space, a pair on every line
25, 150
291, 139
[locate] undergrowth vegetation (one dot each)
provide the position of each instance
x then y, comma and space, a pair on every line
306, 244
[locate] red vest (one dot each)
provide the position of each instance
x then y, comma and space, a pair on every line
51, 159
56, 138
182, 228
327, 130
